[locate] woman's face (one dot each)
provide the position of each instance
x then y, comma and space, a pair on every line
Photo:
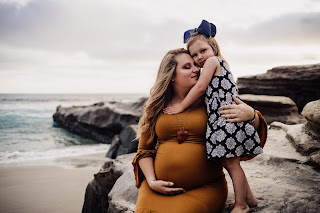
187, 73
200, 51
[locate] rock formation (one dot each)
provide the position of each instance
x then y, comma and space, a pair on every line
113, 188
101, 121
124, 143
281, 179
274, 108
306, 137
300, 83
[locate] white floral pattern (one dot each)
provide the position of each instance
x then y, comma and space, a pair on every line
221, 122
257, 150
249, 144
239, 150
231, 128
229, 98
214, 104
209, 147
240, 136
249, 129
221, 93
215, 83
212, 117
225, 84
219, 151
225, 139
209, 91
221, 135
230, 143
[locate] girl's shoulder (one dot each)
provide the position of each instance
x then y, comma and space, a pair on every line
221, 60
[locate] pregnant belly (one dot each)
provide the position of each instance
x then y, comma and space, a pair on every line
186, 165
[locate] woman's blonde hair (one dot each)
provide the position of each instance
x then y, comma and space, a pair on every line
160, 94
209, 40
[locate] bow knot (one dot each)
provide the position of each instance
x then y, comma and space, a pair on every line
205, 28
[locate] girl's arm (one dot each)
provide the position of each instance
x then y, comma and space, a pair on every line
209, 69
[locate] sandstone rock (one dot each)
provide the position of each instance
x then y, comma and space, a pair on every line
312, 113
128, 138
300, 83
124, 143
274, 108
99, 121
113, 150
96, 197
123, 196
304, 143
113, 188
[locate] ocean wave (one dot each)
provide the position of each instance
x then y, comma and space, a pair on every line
16, 157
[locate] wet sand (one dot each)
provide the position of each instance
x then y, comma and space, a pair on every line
57, 187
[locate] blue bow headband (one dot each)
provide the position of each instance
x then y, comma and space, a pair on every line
205, 28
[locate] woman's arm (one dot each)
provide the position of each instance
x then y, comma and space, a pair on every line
239, 112
195, 93
164, 187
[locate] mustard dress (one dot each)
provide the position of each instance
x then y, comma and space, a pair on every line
184, 164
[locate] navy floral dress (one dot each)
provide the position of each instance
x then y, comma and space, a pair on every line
226, 139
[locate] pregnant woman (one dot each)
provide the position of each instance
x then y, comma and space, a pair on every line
171, 167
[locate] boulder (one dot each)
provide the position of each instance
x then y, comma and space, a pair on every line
274, 108
302, 142
101, 121
113, 188
312, 113
124, 143
300, 83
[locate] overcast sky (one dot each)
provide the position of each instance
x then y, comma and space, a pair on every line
104, 46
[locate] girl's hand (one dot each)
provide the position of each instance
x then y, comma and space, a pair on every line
164, 187
237, 112
174, 109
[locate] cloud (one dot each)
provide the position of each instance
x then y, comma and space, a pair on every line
289, 29
114, 43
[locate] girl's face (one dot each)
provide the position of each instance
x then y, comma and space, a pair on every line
187, 74
200, 51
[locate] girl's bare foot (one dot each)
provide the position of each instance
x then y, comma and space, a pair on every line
240, 209
250, 202
253, 202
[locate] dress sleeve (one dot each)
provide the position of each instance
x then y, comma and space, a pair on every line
144, 150
262, 129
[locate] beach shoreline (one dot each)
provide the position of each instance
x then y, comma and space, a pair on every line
54, 186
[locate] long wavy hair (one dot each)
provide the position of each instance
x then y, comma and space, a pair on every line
209, 40
160, 94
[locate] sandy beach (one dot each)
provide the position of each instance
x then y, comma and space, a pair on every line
58, 186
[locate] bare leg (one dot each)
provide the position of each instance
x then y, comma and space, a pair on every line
250, 199
239, 181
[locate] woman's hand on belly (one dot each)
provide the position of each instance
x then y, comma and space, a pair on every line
165, 187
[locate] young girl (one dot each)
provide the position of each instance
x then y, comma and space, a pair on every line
226, 140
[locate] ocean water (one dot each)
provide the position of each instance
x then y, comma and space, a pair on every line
28, 133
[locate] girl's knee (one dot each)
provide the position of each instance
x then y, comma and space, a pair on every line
231, 163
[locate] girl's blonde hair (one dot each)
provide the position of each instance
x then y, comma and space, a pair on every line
160, 94
209, 40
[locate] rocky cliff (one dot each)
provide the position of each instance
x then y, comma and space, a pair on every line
300, 83
101, 121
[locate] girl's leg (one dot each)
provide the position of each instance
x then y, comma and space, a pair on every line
251, 200
239, 184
